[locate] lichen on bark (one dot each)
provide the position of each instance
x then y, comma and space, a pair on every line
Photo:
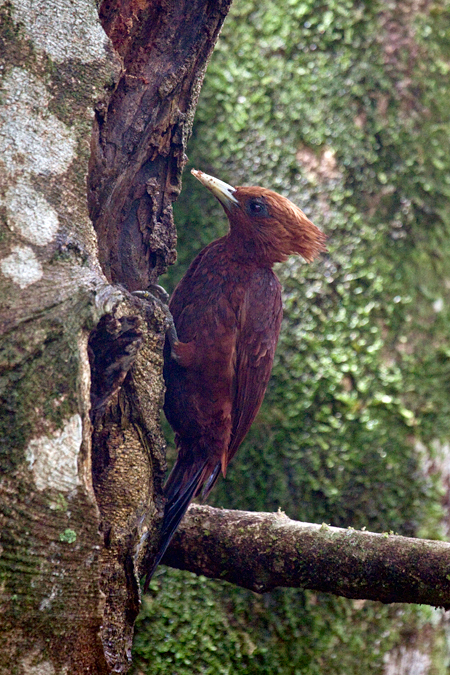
72, 540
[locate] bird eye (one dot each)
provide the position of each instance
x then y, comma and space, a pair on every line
256, 207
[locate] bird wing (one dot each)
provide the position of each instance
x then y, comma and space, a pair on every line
199, 393
234, 339
260, 322
199, 381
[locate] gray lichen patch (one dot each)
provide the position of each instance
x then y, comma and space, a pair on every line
32, 140
29, 214
53, 460
51, 28
58, 64
22, 266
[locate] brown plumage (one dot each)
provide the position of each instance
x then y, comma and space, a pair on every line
227, 311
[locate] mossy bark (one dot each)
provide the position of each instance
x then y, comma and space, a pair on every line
71, 537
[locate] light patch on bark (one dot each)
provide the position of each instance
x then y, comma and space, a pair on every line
32, 140
436, 461
46, 602
85, 464
22, 266
30, 667
63, 29
107, 298
404, 661
30, 215
54, 459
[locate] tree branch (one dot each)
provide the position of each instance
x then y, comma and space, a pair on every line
261, 551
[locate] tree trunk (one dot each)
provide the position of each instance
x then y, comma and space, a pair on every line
70, 544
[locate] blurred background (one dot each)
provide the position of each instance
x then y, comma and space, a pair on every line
344, 108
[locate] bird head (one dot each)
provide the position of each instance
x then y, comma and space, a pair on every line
264, 224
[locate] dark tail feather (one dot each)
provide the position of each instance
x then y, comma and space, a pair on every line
212, 480
179, 497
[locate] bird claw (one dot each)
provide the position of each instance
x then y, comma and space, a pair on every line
154, 292
158, 294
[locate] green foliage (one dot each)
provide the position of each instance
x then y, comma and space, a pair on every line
342, 106
189, 625
201, 641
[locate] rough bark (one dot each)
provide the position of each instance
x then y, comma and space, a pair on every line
127, 459
139, 141
71, 537
53, 292
137, 157
261, 551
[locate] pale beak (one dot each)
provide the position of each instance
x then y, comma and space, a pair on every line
222, 191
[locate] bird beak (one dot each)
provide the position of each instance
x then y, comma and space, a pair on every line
222, 191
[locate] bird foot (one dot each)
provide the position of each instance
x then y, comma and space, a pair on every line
156, 291
158, 294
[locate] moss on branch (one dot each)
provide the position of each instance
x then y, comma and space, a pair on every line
261, 551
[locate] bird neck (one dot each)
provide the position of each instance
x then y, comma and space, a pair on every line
247, 249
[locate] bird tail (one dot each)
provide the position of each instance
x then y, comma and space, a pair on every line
182, 486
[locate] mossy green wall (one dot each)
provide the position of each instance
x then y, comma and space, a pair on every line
343, 107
